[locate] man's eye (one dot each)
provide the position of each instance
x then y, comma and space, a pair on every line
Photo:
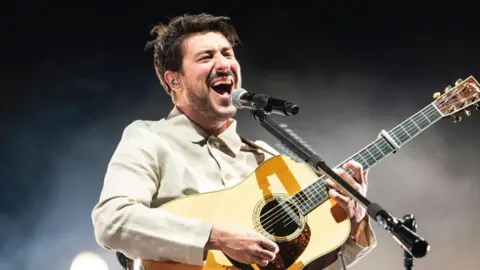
206, 57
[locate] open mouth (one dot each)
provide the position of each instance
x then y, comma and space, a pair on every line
222, 87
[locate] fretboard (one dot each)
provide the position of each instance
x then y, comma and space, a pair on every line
310, 197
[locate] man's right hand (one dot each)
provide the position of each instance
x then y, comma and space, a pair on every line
245, 246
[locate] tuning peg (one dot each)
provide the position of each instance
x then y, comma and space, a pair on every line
457, 82
448, 88
436, 95
477, 106
457, 119
468, 113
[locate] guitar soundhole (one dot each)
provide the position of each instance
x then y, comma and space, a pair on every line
281, 219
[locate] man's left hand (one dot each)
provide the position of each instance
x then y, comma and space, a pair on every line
355, 211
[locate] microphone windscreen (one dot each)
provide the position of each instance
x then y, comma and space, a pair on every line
235, 97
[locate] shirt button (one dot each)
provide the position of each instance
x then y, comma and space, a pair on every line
228, 176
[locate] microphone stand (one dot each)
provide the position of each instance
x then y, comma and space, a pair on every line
409, 221
403, 231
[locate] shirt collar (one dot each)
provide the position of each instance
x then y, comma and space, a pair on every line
186, 127
231, 138
194, 133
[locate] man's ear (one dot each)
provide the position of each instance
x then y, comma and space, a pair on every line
172, 79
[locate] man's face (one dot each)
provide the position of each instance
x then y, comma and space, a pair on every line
210, 74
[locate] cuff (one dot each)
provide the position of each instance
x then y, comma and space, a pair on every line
200, 236
364, 236
355, 249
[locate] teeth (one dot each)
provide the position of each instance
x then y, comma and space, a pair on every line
222, 82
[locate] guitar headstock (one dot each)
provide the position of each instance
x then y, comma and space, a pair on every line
465, 94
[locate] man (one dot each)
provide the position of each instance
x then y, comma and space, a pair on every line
195, 149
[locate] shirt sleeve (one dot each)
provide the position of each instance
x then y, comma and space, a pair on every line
122, 218
353, 251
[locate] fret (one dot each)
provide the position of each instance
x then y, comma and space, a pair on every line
415, 124
367, 158
421, 121
314, 194
434, 115
425, 116
360, 160
301, 198
370, 154
312, 199
410, 128
404, 129
372, 149
397, 140
401, 135
297, 201
309, 197
379, 148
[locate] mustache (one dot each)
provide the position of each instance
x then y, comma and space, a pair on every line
222, 74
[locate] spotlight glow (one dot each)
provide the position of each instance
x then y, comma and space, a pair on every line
88, 261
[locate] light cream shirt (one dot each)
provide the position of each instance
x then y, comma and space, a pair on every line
158, 161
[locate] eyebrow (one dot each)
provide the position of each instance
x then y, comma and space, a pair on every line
210, 51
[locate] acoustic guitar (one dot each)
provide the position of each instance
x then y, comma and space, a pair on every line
287, 201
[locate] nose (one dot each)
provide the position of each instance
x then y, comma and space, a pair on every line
222, 64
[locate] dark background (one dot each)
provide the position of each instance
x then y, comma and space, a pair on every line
74, 75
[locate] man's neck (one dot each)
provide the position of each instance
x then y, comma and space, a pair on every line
211, 127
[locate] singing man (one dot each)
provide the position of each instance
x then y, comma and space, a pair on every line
197, 149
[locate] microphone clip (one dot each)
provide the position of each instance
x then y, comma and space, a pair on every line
242, 99
269, 105
402, 230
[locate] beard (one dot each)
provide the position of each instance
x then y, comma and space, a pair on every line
203, 104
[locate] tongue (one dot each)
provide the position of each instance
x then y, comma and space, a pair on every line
222, 90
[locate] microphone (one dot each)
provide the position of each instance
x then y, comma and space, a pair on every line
242, 99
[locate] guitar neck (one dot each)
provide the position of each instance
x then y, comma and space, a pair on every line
389, 142
396, 137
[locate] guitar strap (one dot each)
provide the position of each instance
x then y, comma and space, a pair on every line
254, 145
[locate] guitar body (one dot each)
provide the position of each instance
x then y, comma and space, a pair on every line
304, 241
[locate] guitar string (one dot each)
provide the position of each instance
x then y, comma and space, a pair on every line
405, 137
408, 137
411, 124
323, 193
390, 150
